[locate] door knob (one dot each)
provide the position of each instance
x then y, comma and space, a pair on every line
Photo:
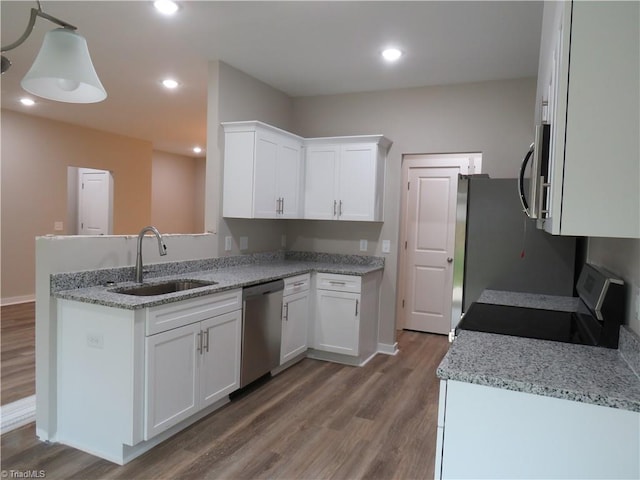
449, 260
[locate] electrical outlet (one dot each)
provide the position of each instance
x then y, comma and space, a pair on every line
58, 226
386, 246
95, 340
244, 243
228, 243
363, 245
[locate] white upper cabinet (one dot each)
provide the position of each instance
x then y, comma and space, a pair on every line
588, 79
344, 178
267, 175
262, 171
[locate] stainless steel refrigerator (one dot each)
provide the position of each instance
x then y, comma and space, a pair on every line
499, 248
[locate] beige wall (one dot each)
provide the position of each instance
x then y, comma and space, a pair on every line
177, 187
621, 256
236, 96
495, 118
35, 155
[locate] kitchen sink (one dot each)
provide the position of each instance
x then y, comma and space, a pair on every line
163, 288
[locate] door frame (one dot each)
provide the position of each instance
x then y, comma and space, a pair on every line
78, 210
467, 163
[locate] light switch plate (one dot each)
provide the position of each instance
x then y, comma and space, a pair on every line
228, 243
363, 245
386, 246
58, 226
244, 243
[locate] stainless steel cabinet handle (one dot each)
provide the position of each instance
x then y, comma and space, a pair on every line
286, 312
340, 210
357, 308
206, 337
335, 203
200, 342
282, 206
335, 282
298, 284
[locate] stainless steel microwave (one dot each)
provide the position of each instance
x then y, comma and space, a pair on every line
536, 204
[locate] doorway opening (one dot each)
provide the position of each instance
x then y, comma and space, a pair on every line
427, 236
89, 201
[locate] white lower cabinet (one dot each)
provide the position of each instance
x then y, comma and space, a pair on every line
346, 317
337, 322
295, 317
487, 432
128, 379
189, 368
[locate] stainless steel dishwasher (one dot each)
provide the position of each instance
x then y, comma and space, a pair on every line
261, 330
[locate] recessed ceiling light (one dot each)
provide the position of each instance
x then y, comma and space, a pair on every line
197, 150
391, 54
27, 102
166, 7
170, 83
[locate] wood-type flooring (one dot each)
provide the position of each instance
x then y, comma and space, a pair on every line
315, 420
18, 347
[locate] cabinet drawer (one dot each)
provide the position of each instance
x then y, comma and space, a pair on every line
184, 312
339, 283
299, 283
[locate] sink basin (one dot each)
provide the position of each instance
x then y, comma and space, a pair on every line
163, 288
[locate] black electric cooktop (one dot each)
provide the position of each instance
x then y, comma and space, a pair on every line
569, 327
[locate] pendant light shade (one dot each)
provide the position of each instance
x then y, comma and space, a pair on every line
63, 70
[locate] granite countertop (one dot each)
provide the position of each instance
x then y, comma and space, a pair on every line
594, 375
66, 286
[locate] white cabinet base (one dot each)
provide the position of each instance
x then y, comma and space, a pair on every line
495, 433
339, 358
122, 454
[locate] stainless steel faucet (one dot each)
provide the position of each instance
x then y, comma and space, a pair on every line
162, 248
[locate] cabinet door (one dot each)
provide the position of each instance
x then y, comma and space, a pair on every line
337, 322
295, 321
220, 359
289, 173
265, 176
171, 382
357, 182
320, 178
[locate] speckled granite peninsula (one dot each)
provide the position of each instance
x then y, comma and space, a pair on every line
594, 375
96, 286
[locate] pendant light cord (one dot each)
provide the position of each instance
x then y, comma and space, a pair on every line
35, 13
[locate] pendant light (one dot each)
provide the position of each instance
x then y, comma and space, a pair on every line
62, 70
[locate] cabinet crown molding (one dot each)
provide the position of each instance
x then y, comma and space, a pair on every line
251, 125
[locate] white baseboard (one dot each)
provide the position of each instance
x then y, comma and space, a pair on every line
388, 349
18, 413
16, 300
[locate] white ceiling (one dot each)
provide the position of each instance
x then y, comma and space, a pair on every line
301, 48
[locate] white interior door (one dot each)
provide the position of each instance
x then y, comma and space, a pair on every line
431, 217
94, 202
